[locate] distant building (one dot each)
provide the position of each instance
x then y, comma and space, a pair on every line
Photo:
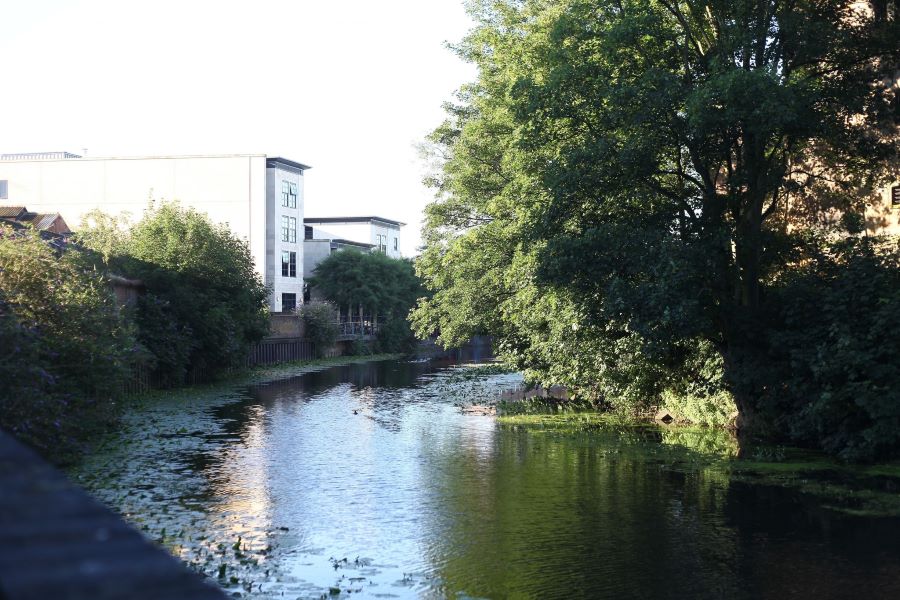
382, 234
883, 216
259, 197
315, 251
21, 216
324, 235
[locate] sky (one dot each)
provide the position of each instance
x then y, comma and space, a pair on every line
348, 87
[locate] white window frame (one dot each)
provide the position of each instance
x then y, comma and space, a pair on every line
291, 263
289, 229
288, 194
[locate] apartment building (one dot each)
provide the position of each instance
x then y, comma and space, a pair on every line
383, 234
259, 197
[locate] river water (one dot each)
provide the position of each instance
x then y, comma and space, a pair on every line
368, 481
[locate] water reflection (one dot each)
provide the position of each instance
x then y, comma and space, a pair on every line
368, 478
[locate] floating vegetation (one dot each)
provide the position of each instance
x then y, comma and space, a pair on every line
469, 372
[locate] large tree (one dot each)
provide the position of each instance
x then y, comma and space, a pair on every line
613, 179
373, 284
204, 303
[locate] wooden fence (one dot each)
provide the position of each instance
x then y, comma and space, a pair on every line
272, 351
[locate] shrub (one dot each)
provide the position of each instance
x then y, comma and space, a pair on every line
320, 323
204, 303
699, 394
833, 351
67, 349
395, 336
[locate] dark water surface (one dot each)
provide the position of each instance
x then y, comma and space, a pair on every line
284, 492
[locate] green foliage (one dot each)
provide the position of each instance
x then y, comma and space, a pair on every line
699, 394
395, 336
834, 345
320, 323
380, 285
66, 349
716, 409
615, 189
361, 347
204, 304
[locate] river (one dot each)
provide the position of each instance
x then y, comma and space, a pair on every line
367, 480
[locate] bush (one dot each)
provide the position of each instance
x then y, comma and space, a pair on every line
395, 336
361, 347
204, 304
832, 351
67, 350
320, 323
699, 394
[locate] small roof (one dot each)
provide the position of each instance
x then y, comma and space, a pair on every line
11, 211
352, 243
352, 220
40, 221
340, 242
291, 165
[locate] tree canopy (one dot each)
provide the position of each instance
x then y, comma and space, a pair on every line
204, 303
65, 348
618, 189
383, 287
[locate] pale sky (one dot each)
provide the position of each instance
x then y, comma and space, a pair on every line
348, 87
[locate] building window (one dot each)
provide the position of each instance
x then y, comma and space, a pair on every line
288, 302
396, 244
289, 229
4, 189
307, 232
382, 243
289, 194
288, 264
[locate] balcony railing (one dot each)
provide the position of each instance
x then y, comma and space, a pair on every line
353, 328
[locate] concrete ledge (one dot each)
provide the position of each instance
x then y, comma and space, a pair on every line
58, 542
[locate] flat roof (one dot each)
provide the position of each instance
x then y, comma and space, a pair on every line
352, 243
56, 156
278, 161
341, 241
38, 156
352, 220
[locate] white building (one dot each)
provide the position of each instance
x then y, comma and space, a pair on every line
260, 198
383, 234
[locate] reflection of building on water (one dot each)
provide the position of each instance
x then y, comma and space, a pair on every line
477, 438
239, 480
